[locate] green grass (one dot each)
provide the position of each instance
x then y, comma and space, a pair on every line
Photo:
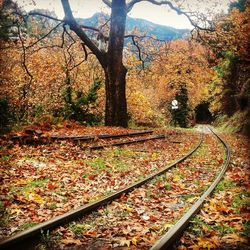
240, 200
197, 226
117, 152
37, 183
224, 229
26, 226
112, 153
233, 124
122, 213
168, 186
190, 168
52, 206
225, 184
78, 228
97, 163
246, 230
6, 157
4, 217
30, 185
1, 205
188, 196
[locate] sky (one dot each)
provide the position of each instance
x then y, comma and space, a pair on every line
157, 14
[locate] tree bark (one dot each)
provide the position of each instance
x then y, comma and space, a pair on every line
115, 72
111, 61
116, 105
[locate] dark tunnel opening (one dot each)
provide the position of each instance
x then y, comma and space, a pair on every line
202, 113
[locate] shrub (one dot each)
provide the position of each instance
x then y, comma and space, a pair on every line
79, 105
180, 115
6, 115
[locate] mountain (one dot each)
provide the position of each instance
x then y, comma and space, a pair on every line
159, 31
162, 32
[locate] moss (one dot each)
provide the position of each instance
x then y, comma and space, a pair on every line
238, 123
246, 128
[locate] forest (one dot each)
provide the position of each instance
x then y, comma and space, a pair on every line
74, 90
47, 72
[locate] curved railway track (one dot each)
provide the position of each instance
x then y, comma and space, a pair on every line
73, 214
16, 241
172, 235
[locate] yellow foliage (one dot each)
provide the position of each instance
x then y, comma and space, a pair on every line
140, 108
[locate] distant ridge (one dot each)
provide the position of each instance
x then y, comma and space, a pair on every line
159, 31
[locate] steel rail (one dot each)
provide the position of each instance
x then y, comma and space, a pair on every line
83, 210
101, 136
174, 232
157, 137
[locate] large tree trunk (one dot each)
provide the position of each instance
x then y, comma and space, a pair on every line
116, 105
111, 61
115, 72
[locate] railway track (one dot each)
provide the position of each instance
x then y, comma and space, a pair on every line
27, 235
34, 137
115, 144
101, 136
172, 235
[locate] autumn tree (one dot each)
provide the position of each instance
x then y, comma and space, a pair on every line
183, 62
111, 59
6, 21
230, 45
180, 115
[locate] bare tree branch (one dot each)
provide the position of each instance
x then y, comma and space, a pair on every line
40, 39
53, 45
144, 37
70, 36
89, 28
131, 4
107, 2
108, 20
139, 51
24, 55
63, 36
47, 47
76, 65
70, 20
178, 10
100, 34
26, 86
85, 51
33, 13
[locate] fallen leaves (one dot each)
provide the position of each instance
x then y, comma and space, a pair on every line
48, 180
136, 220
127, 242
71, 241
234, 239
32, 196
149, 211
222, 222
207, 243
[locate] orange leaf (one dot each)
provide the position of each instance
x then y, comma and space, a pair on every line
51, 186
90, 233
71, 241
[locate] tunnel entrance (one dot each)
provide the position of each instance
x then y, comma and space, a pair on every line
202, 113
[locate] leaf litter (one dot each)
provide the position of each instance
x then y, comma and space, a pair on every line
43, 181
223, 222
138, 219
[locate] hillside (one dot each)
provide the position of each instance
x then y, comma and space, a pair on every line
160, 31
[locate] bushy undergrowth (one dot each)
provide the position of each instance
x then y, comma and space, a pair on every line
238, 123
7, 117
79, 105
